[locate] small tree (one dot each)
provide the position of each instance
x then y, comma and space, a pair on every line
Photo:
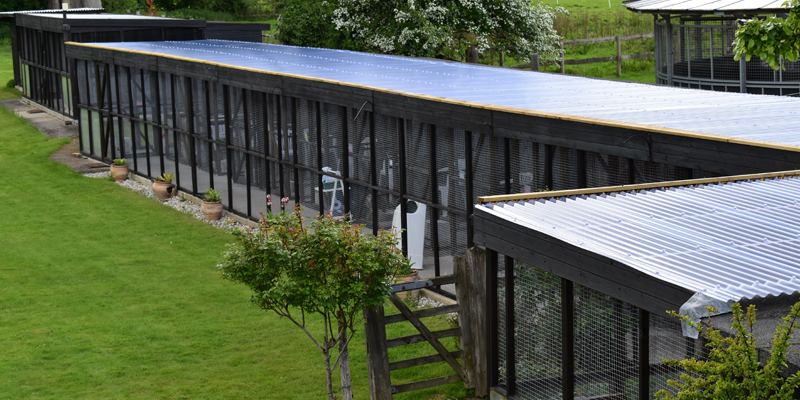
770, 38
732, 370
329, 268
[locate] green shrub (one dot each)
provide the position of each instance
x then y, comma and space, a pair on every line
732, 370
308, 23
11, 83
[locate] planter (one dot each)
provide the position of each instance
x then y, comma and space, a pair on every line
163, 190
212, 211
413, 276
119, 172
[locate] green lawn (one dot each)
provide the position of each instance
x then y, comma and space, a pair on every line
6, 73
108, 294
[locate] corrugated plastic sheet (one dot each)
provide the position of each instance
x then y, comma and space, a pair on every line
706, 5
768, 118
729, 241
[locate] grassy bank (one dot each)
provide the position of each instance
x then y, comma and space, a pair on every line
6, 73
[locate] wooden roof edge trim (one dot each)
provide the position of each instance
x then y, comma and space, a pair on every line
629, 188
513, 110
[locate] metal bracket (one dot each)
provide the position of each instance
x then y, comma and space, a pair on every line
361, 109
648, 140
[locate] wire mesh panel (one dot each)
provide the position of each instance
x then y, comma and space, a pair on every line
668, 343
646, 172
359, 159
565, 168
502, 342
487, 159
387, 163
537, 331
527, 166
332, 159
606, 170
606, 345
307, 151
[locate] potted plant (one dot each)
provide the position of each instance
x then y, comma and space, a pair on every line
212, 205
119, 169
163, 187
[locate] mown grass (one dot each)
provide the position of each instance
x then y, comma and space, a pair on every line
7, 73
108, 294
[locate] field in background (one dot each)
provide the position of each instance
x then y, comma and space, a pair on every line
593, 19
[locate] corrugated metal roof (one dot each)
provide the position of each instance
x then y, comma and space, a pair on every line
104, 16
729, 240
708, 6
771, 119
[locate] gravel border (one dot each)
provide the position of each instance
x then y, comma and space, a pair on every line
181, 204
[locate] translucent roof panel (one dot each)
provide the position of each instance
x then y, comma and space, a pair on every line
707, 6
729, 241
770, 119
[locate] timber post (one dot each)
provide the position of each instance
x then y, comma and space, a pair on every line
476, 262
377, 355
465, 320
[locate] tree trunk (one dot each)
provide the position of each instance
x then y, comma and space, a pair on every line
328, 373
344, 364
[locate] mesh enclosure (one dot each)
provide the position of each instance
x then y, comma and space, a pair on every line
668, 343
252, 144
702, 49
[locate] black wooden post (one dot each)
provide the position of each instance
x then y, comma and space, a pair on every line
247, 156
511, 353
295, 156
120, 124
73, 73
373, 172
226, 99
145, 127
469, 186
320, 188
567, 340
279, 133
131, 116
110, 107
159, 133
434, 198
401, 138
187, 83
507, 165
492, 378
582, 169
345, 160
631, 171
267, 139
209, 136
174, 125
644, 354
549, 151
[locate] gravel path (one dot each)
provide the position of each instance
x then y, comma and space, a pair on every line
177, 203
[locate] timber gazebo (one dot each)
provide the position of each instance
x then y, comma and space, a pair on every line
693, 46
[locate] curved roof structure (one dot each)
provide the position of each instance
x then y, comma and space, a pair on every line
718, 7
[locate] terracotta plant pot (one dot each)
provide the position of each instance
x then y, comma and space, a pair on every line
119, 172
413, 276
212, 211
163, 190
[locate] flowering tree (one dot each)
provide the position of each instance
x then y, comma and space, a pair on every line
770, 38
329, 268
427, 27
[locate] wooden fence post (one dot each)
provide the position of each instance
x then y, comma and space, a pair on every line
476, 264
619, 55
472, 55
380, 385
465, 320
535, 62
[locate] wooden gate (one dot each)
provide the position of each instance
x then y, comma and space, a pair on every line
469, 294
